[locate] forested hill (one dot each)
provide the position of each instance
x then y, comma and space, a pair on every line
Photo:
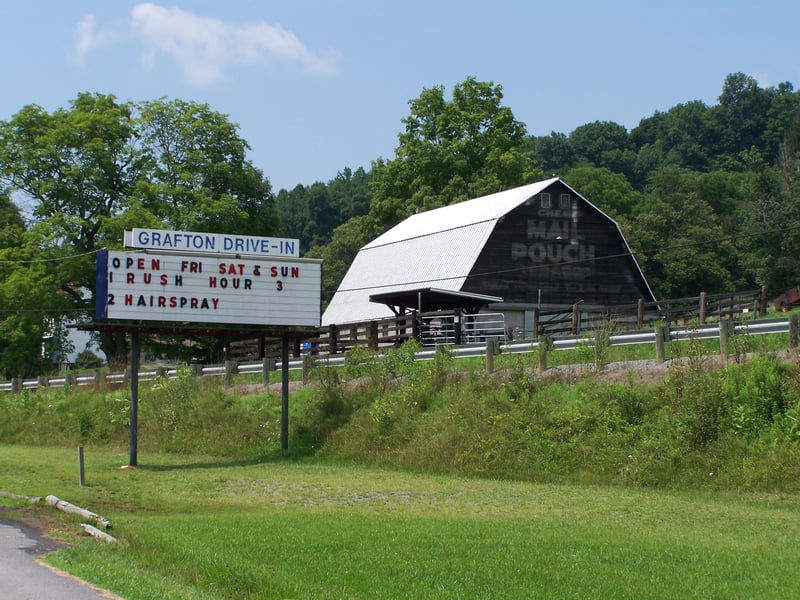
706, 196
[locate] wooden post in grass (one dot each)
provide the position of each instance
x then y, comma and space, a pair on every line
308, 364
230, 369
492, 348
726, 329
702, 308
267, 365
545, 342
660, 335
81, 472
794, 329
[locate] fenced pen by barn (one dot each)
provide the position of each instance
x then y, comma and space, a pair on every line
455, 328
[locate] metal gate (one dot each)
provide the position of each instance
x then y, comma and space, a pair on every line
451, 330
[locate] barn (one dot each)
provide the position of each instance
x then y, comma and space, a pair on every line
541, 245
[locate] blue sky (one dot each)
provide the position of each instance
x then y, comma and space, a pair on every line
317, 86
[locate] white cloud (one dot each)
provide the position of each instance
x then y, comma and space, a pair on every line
87, 37
204, 48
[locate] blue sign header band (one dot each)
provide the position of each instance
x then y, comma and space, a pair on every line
221, 243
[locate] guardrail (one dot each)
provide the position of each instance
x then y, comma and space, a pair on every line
268, 365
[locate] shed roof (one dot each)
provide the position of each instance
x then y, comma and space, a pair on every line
431, 299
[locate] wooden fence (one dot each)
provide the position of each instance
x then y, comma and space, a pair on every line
575, 320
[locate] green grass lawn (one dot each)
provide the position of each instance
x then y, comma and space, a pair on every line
197, 527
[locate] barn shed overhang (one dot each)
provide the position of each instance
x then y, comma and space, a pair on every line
433, 299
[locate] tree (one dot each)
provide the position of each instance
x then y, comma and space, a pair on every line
678, 238
742, 113
102, 166
553, 153
451, 150
771, 243
604, 144
21, 327
609, 191
198, 178
338, 255
78, 168
312, 213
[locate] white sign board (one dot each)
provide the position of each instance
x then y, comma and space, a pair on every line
201, 288
224, 243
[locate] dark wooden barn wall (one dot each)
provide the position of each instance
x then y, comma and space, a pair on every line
568, 250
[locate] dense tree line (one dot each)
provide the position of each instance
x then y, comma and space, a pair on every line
707, 196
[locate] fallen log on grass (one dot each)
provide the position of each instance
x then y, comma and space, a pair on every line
95, 532
71, 508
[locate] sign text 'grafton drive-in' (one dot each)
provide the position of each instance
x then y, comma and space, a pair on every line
208, 288
227, 243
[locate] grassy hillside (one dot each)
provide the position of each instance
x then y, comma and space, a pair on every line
699, 426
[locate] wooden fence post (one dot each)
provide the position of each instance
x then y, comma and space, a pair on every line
640, 313
576, 318
333, 339
763, 300
372, 335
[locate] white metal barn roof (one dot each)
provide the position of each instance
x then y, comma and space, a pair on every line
436, 248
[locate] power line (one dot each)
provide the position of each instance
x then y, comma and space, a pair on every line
48, 260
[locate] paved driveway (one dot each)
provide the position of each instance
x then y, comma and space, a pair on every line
24, 577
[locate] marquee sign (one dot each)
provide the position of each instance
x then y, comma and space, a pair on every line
207, 288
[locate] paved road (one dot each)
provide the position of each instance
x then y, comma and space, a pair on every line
24, 577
